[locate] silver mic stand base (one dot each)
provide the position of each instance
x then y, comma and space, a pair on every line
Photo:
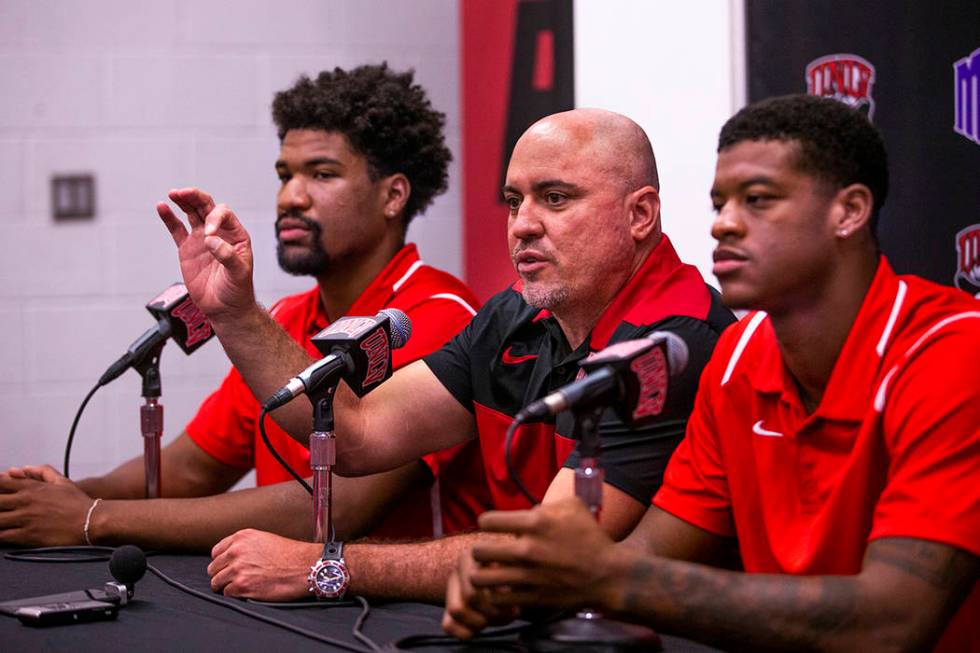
590, 632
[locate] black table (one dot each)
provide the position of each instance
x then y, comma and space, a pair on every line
162, 618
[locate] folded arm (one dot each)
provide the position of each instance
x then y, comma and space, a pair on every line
284, 508
264, 566
40, 507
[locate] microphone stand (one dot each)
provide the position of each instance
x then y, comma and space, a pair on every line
151, 419
323, 457
588, 630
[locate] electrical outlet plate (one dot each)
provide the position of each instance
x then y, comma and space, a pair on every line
73, 197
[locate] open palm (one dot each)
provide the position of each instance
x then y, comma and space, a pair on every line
215, 253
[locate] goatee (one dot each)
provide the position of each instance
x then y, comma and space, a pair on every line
303, 261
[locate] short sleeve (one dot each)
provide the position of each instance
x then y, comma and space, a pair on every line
452, 364
695, 486
434, 321
224, 426
932, 435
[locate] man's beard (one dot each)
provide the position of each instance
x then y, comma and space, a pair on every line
549, 298
537, 297
313, 261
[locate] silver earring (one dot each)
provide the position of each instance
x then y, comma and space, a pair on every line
842, 233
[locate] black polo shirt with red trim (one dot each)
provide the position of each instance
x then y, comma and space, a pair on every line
512, 354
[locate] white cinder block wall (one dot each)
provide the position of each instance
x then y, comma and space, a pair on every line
149, 96
680, 73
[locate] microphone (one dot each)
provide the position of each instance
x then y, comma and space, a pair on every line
632, 374
177, 318
127, 565
358, 349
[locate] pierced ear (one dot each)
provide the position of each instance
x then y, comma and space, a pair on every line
397, 190
644, 212
856, 203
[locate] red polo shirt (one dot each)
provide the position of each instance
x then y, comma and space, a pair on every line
439, 305
893, 449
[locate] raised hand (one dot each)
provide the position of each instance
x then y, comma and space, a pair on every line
215, 253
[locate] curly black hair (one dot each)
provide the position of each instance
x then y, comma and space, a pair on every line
385, 116
837, 143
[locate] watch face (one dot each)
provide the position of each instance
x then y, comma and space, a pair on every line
330, 579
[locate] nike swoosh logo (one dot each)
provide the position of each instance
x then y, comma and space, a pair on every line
758, 430
510, 359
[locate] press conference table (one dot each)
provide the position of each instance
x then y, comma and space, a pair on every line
162, 618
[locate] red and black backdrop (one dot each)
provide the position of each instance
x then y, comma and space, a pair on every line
517, 67
915, 66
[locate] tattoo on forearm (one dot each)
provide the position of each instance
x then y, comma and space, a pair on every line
640, 578
774, 612
933, 564
777, 613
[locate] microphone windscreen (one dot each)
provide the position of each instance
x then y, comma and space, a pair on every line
127, 564
401, 326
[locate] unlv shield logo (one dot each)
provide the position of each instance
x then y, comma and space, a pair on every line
968, 260
844, 77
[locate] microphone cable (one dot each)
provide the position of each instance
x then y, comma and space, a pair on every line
102, 553
509, 461
372, 647
74, 425
275, 454
285, 465
489, 637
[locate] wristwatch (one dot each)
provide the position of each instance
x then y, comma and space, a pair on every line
329, 578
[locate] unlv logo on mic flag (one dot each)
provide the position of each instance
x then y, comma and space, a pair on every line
198, 327
641, 364
190, 327
367, 341
376, 348
651, 371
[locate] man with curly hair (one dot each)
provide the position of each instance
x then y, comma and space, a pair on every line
835, 437
362, 153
